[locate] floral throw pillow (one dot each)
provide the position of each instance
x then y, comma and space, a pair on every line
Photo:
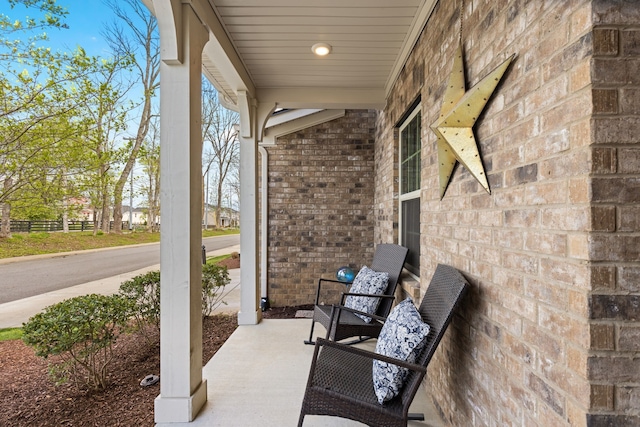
369, 282
402, 337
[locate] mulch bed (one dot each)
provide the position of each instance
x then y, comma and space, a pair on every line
29, 398
288, 312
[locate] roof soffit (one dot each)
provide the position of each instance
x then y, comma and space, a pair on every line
263, 47
272, 41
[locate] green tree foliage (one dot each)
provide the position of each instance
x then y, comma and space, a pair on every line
60, 115
52, 104
102, 116
80, 333
51, 16
30, 97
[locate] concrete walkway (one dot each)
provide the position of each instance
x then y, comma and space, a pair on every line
13, 314
258, 377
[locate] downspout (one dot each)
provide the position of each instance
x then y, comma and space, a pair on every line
264, 181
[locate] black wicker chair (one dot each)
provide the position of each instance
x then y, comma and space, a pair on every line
388, 258
340, 379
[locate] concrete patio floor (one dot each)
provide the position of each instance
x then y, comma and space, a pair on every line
258, 378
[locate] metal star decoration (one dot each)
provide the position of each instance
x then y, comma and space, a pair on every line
454, 127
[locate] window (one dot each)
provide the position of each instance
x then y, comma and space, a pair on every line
410, 147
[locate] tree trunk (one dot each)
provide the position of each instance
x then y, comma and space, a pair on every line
5, 227
156, 202
105, 216
95, 221
219, 207
5, 222
151, 213
204, 202
65, 207
65, 222
117, 211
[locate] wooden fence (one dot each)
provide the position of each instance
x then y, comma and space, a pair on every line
46, 226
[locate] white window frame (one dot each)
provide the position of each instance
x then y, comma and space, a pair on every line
415, 194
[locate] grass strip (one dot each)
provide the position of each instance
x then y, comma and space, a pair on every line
8, 334
23, 244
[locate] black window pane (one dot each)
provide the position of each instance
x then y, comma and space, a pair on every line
410, 147
411, 234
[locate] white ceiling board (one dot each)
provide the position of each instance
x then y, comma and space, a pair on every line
390, 10
367, 37
370, 41
316, 3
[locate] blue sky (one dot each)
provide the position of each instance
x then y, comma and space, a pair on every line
86, 21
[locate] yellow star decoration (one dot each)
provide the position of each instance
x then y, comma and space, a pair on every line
454, 127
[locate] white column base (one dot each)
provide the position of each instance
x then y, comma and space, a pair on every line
249, 318
180, 409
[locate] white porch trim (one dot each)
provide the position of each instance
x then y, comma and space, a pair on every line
182, 390
276, 128
324, 98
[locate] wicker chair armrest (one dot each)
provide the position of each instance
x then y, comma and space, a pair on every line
336, 310
320, 280
346, 294
323, 279
370, 355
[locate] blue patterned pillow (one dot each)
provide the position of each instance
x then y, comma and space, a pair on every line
369, 282
402, 337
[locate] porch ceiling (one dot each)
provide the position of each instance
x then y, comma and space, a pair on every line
264, 47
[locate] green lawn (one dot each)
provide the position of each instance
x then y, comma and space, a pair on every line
10, 334
21, 244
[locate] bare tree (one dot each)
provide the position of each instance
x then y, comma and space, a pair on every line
142, 42
150, 160
221, 152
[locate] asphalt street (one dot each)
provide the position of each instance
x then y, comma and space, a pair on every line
29, 276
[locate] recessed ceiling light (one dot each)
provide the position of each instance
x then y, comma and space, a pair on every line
321, 49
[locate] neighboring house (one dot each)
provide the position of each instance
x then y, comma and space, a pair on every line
81, 208
228, 217
139, 215
549, 334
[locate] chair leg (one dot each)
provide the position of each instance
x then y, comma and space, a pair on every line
301, 419
415, 416
310, 341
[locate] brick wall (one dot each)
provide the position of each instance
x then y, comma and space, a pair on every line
320, 205
614, 245
549, 334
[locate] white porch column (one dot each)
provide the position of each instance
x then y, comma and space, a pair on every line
249, 313
182, 390
253, 117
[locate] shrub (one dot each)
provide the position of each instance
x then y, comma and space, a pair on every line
81, 332
214, 278
144, 293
